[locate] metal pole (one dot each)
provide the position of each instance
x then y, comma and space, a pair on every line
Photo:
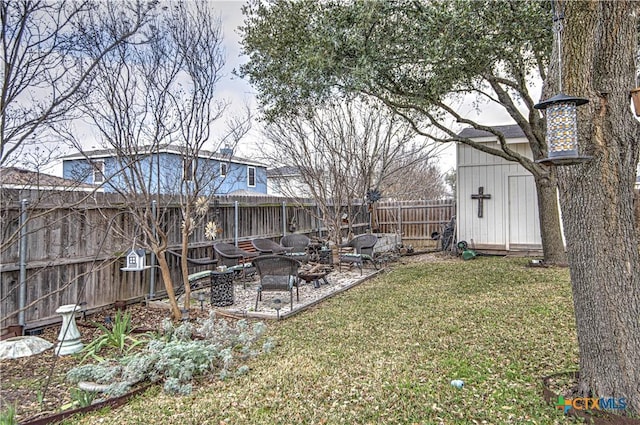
400, 222
235, 222
22, 295
284, 218
152, 279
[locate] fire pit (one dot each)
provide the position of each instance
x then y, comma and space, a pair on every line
314, 273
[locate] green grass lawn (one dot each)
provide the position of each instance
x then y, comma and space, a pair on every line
386, 351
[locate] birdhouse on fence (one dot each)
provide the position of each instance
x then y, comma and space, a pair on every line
135, 260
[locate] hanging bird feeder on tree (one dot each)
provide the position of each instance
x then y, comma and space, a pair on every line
635, 97
135, 260
562, 130
561, 115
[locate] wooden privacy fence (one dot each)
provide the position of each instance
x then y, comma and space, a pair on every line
74, 248
74, 244
415, 221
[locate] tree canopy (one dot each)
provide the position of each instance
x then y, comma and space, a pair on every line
344, 149
416, 55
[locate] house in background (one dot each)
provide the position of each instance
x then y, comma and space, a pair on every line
21, 179
166, 170
496, 198
287, 181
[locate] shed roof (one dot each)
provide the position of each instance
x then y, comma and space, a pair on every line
511, 131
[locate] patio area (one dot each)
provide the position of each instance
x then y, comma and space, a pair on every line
275, 305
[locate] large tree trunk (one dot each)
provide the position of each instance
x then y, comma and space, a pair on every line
549, 216
600, 41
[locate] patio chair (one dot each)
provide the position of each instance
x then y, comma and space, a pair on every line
235, 258
297, 245
200, 271
277, 273
267, 246
361, 251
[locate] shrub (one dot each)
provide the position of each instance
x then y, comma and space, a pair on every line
176, 359
118, 337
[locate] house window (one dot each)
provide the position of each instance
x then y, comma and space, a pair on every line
223, 169
188, 169
98, 171
251, 176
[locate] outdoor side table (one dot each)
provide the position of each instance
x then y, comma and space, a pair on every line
222, 288
351, 260
326, 256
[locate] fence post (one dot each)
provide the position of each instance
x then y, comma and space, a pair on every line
284, 218
152, 271
235, 223
22, 294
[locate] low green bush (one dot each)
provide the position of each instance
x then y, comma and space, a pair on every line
82, 398
176, 359
117, 337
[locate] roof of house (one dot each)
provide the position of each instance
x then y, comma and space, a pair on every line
19, 178
247, 192
511, 131
286, 171
147, 150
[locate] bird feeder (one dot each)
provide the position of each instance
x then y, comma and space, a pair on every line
562, 129
135, 260
562, 116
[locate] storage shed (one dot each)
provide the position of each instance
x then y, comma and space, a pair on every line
496, 198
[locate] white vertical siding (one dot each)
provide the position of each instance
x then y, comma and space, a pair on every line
524, 224
510, 216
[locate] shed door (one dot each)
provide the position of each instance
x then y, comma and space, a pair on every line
524, 226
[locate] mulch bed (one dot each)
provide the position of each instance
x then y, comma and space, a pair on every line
36, 385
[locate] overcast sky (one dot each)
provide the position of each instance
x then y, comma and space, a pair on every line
231, 87
239, 91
